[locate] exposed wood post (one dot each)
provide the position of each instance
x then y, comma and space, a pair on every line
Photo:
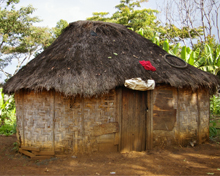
22, 94
149, 121
119, 114
198, 120
54, 119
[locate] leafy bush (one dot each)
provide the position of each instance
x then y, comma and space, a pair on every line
212, 131
215, 105
215, 111
16, 146
8, 129
7, 114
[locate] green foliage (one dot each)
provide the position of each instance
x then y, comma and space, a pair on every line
175, 34
210, 61
19, 38
166, 45
14, 24
61, 25
155, 39
206, 60
8, 129
16, 146
129, 14
10, 2
205, 57
7, 114
145, 22
189, 55
100, 16
212, 132
215, 105
7, 111
210, 40
215, 112
214, 128
209, 55
56, 32
184, 53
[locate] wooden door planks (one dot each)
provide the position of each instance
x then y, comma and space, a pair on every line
142, 109
139, 121
124, 123
133, 129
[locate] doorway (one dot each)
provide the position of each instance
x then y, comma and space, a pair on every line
133, 120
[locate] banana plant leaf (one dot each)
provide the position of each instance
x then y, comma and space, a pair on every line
166, 45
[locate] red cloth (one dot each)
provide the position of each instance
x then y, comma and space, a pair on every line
147, 65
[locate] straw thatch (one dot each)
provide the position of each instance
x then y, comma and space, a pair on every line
91, 58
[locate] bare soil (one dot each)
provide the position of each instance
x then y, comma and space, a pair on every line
199, 160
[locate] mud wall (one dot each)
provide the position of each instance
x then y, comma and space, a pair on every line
204, 109
34, 114
62, 124
80, 125
165, 124
180, 116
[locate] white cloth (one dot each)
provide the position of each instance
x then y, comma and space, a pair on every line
139, 84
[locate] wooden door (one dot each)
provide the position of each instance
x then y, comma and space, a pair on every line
133, 121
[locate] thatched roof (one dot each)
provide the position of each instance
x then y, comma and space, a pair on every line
91, 58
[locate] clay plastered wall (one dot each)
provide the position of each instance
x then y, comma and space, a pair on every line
188, 115
180, 116
74, 121
204, 109
165, 129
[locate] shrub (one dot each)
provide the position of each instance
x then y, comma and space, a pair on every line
7, 114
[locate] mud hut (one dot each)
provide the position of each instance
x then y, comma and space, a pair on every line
71, 98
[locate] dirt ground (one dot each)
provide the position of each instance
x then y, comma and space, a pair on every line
199, 160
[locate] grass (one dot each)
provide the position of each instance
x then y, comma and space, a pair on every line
214, 128
8, 129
